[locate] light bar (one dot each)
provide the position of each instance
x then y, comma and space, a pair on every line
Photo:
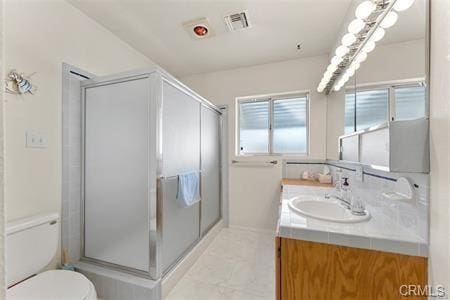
373, 17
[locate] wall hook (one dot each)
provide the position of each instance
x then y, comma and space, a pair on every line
18, 83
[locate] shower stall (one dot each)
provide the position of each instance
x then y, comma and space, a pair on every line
139, 132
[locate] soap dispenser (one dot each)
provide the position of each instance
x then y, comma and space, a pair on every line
345, 190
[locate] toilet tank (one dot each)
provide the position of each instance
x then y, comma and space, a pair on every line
31, 244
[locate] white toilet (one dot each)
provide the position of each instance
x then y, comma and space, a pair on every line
31, 244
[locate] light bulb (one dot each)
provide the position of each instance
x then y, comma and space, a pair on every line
402, 5
336, 60
362, 56
331, 68
354, 66
365, 9
328, 74
350, 72
377, 35
348, 39
389, 20
368, 47
356, 26
342, 50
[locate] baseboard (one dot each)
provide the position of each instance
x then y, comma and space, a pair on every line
259, 230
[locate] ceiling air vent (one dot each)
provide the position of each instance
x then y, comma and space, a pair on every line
237, 21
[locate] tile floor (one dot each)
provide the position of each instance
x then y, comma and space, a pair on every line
238, 265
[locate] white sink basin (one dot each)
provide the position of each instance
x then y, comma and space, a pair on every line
324, 209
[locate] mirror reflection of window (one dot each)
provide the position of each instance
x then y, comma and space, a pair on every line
409, 102
371, 106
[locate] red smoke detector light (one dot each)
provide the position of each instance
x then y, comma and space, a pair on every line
200, 30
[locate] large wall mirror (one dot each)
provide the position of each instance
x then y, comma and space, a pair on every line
390, 85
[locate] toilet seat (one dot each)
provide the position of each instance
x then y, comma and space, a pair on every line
54, 285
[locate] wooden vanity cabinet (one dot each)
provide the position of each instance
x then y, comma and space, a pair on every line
315, 271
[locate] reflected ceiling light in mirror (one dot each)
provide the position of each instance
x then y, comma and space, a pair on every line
355, 66
402, 5
356, 26
377, 35
365, 9
342, 50
368, 47
336, 60
331, 68
389, 21
362, 56
348, 39
372, 18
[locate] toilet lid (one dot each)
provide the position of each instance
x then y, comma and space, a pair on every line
53, 285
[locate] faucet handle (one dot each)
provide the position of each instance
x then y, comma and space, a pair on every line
357, 206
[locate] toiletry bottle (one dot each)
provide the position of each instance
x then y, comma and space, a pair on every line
345, 189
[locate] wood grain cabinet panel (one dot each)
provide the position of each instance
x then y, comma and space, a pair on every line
316, 271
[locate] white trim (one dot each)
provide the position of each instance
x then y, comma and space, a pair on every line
385, 84
270, 98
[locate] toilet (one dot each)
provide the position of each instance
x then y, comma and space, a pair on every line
31, 244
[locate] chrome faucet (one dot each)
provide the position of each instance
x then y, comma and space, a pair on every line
356, 208
343, 201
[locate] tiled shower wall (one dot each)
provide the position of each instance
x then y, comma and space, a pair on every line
71, 162
411, 215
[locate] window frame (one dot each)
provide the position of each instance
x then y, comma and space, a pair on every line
271, 98
390, 86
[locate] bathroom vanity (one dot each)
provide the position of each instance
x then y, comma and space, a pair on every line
317, 259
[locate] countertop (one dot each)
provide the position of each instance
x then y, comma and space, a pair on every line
294, 181
378, 233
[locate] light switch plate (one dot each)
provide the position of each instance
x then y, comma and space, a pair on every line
35, 140
359, 173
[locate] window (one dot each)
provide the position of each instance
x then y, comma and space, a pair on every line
276, 125
378, 105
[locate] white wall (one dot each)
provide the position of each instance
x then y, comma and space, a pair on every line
2, 202
386, 63
254, 191
39, 36
439, 265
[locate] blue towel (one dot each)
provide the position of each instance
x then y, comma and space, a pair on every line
188, 189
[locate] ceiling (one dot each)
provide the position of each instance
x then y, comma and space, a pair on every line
410, 25
154, 27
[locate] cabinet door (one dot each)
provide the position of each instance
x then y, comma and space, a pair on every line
210, 149
350, 148
328, 272
375, 148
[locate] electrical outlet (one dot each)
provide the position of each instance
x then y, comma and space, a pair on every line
35, 140
359, 173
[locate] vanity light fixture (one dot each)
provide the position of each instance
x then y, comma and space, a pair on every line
372, 18
402, 5
390, 19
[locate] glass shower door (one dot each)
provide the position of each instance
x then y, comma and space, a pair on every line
116, 173
180, 153
210, 161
